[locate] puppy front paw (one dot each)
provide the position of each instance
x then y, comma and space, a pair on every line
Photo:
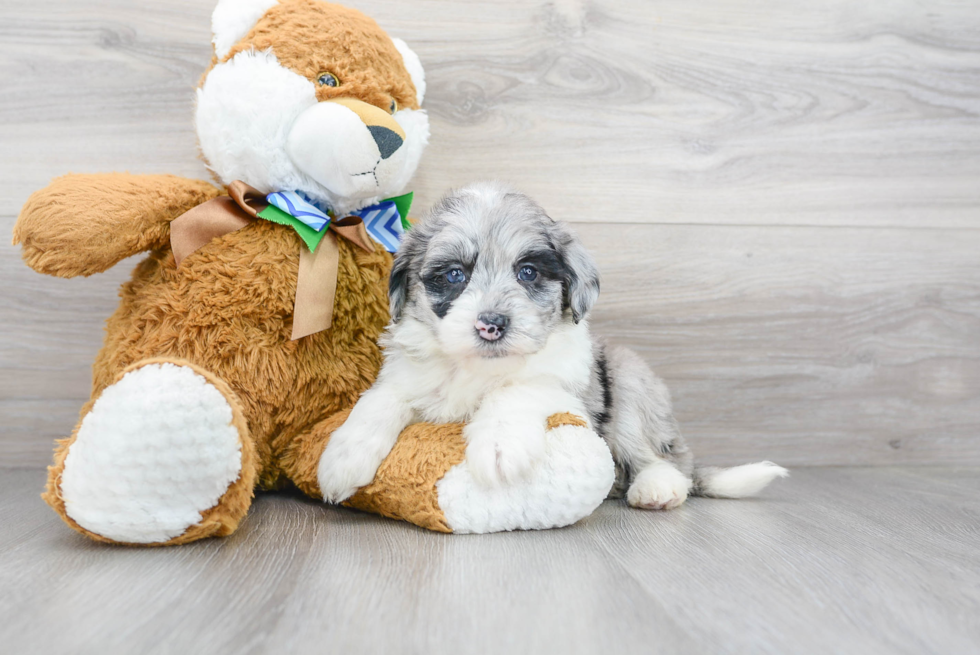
500, 455
346, 465
659, 486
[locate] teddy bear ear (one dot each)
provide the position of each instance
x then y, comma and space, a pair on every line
414, 66
232, 19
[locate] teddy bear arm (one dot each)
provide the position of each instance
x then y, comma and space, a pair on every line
85, 224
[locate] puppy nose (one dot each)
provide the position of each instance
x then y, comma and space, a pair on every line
491, 326
388, 142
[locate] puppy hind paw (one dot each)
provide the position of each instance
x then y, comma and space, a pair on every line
660, 486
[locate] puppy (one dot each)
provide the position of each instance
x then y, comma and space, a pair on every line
489, 299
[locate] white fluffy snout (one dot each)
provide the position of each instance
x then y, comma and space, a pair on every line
500, 323
331, 144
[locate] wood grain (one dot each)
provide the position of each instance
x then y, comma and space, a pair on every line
782, 197
830, 561
802, 345
765, 112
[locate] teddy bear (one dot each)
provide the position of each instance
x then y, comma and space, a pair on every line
245, 336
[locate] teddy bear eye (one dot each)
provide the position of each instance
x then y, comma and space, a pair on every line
394, 107
327, 79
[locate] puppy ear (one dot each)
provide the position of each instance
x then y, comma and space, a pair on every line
581, 276
400, 278
232, 19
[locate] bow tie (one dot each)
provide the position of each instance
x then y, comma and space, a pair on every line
385, 221
316, 284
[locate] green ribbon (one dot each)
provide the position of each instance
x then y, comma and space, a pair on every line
313, 237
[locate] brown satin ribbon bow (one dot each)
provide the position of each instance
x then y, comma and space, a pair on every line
316, 282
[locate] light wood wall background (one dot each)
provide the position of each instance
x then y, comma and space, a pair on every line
783, 196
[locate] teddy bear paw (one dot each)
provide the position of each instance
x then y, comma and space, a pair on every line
568, 483
157, 449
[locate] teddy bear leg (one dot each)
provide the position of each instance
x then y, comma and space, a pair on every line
163, 456
425, 479
571, 481
405, 485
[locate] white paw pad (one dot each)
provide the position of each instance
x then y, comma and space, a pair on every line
660, 486
157, 450
570, 480
504, 459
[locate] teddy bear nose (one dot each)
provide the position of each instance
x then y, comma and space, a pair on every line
388, 142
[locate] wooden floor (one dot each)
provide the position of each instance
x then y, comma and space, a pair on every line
832, 560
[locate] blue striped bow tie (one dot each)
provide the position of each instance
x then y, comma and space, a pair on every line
385, 221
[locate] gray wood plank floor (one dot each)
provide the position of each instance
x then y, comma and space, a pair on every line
833, 560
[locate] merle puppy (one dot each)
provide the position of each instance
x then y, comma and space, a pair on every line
489, 305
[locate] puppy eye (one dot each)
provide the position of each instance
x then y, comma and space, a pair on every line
455, 276
394, 107
327, 79
527, 273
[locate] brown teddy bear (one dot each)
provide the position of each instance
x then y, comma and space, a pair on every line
243, 339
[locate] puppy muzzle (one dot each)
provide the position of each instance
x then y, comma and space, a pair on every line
491, 327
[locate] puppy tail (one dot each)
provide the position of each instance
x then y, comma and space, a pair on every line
735, 482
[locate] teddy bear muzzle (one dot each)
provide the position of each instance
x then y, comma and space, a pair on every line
347, 145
